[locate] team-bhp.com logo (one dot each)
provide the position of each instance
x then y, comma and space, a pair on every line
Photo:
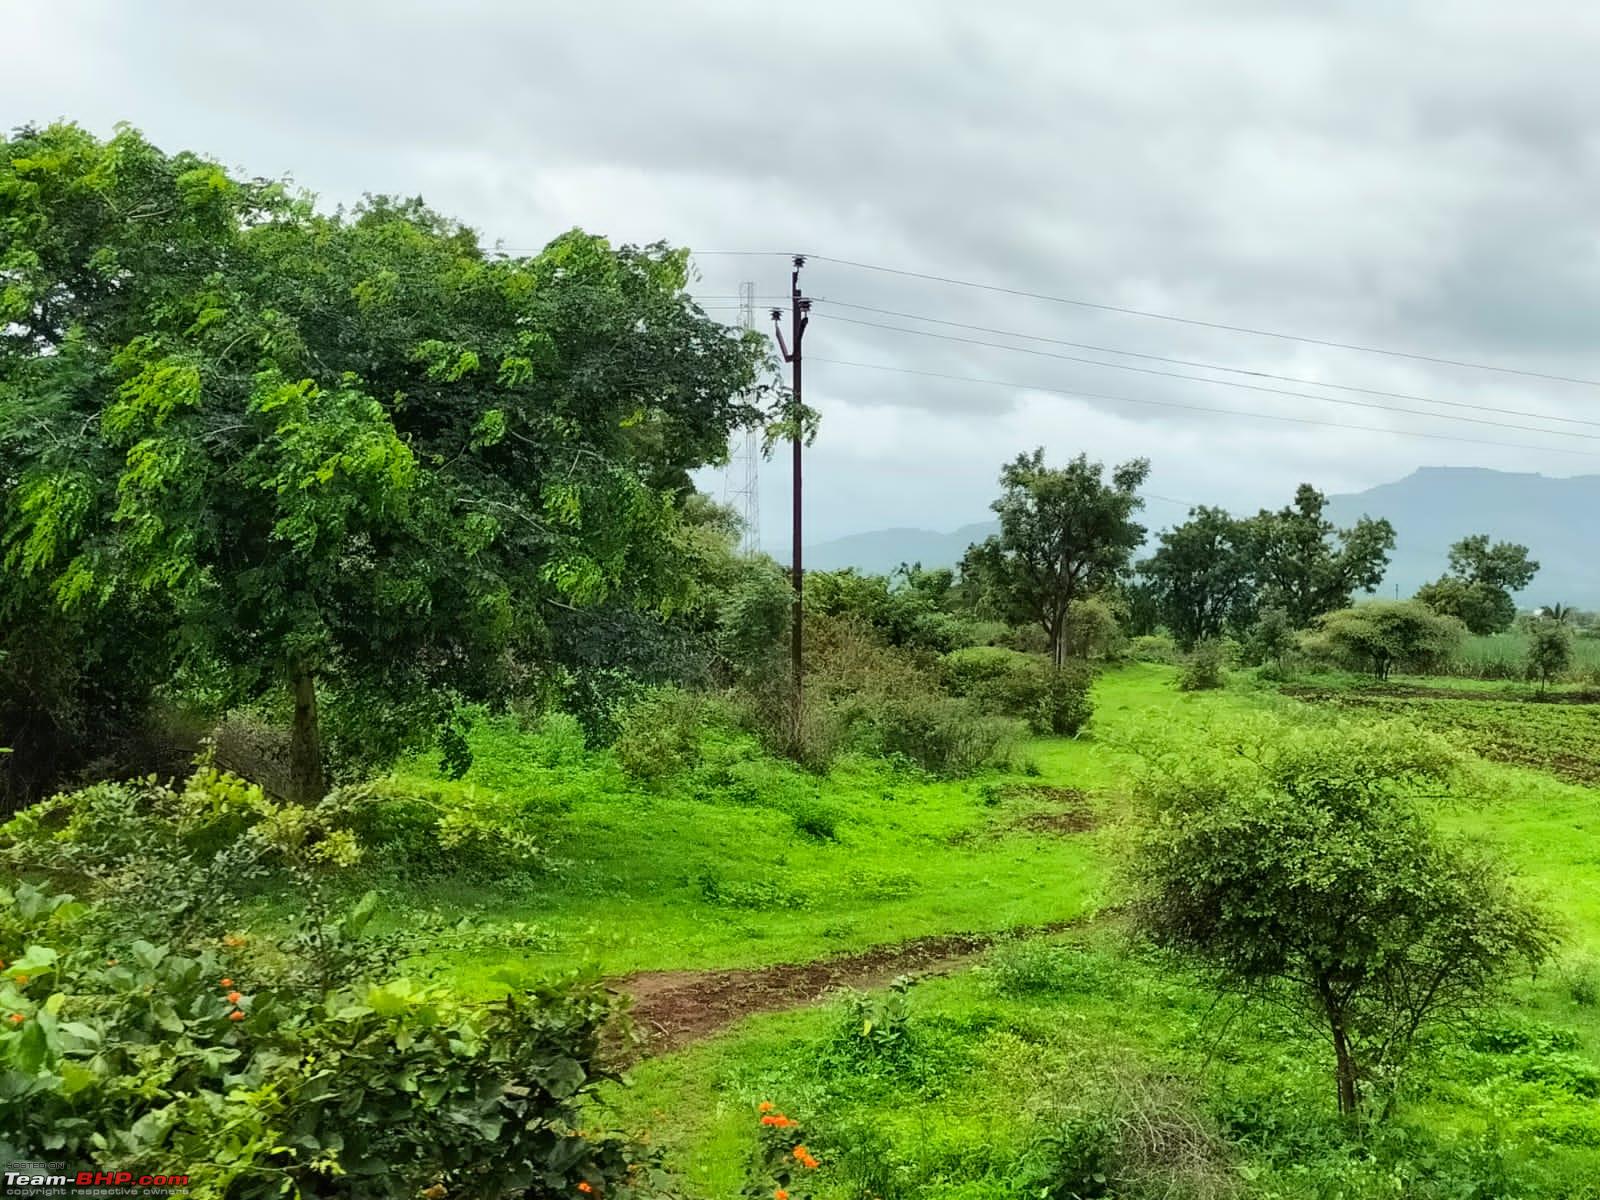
55, 1179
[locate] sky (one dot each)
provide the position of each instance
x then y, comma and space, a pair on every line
1417, 177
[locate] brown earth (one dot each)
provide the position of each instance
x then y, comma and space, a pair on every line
674, 1008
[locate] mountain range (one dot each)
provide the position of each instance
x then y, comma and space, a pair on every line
1430, 509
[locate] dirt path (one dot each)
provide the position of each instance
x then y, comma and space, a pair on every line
675, 1008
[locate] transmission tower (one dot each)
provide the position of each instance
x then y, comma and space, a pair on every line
740, 482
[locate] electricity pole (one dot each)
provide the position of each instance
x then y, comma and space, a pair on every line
799, 307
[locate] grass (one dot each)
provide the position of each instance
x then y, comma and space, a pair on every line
1505, 656
1011, 1074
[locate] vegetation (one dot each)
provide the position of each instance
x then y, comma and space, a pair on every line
1065, 533
384, 708
1477, 591
1300, 868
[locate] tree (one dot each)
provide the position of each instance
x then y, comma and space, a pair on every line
1271, 638
360, 461
1299, 866
1480, 582
1307, 567
1065, 533
1384, 634
1549, 650
1203, 575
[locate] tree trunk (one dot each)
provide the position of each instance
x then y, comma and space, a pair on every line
1349, 1097
306, 782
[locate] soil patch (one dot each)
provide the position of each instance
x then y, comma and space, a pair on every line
674, 1008
1070, 811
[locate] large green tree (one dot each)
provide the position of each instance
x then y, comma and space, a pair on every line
354, 458
1306, 566
1203, 573
1477, 589
1065, 533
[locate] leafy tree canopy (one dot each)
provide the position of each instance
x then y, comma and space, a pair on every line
1307, 567
1203, 573
1478, 588
346, 447
1065, 533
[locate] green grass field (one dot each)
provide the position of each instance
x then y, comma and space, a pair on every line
747, 862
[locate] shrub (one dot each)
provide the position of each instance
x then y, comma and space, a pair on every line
658, 733
1271, 639
1298, 864
1065, 706
941, 735
1155, 648
1009, 683
1206, 668
1036, 967
1383, 634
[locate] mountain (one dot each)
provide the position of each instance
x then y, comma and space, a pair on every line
1435, 506
882, 550
1430, 509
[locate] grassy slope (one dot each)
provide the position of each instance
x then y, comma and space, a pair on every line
911, 856
1003, 1069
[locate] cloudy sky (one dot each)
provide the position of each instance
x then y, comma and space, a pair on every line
1419, 177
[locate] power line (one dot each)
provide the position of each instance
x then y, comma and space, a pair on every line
1233, 383
1209, 366
1235, 412
1160, 316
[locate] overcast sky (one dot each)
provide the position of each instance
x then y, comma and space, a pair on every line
1423, 177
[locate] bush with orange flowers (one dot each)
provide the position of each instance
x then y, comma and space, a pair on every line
781, 1163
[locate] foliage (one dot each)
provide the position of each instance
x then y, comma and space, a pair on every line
350, 450
905, 609
1065, 533
1477, 591
1383, 634
1549, 650
782, 1163
1271, 639
160, 1056
1307, 567
939, 734
1155, 648
1203, 576
1009, 683
1206, 668
1298, 865
660, 734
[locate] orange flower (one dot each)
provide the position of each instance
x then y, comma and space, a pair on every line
800, 1153
236, 1015
769, 1120
766, 1106
233, 997
17, 1018
585, 1187
809, 1163
780, 1194
227, 983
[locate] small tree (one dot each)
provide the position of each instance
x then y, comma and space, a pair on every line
1271, 638
1384, 634
1065, 533
1549, 650
1479, 586
1300, 867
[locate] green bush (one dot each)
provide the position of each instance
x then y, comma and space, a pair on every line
941, 735
157, 1056
1206, 668
659, 733
1031, 967
139, 1032
1155, 648
1010, 683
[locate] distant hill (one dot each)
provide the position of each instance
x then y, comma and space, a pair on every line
1435, 506
883, 550
1430, 509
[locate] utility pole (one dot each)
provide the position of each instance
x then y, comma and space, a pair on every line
799, 308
